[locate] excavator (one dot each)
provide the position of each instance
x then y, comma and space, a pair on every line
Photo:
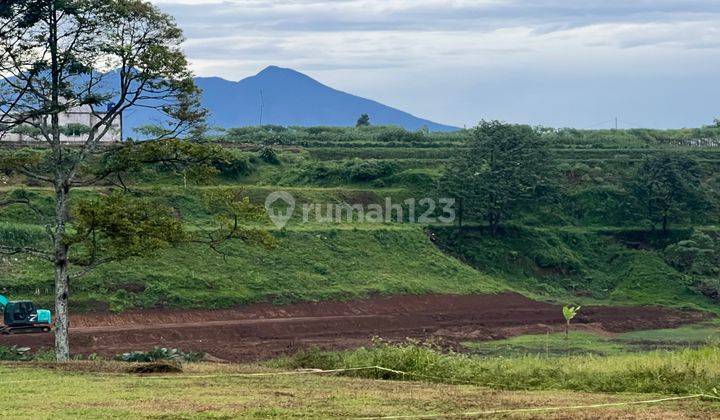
22, 317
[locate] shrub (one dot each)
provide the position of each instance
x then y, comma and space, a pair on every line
159, 353
400, 135
697, 255
312, 358
709, 288
237, 165
269, 155
162, 366
15, 353
367, 170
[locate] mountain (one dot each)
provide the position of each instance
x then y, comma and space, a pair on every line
288, 98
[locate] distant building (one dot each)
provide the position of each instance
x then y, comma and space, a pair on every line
75, 124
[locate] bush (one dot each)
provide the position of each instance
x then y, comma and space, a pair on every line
352, 170
312, 358
601, 205
15, 353
159, 353
162, 366
697, 255
709, 288
269, 155
367, 170
237, 165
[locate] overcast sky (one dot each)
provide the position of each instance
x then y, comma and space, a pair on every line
544, 62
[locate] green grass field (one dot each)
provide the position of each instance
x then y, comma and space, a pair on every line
591, 343
99, 390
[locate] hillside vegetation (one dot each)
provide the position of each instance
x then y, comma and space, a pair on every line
584, 243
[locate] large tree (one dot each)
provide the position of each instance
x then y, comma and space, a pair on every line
504, 166
106, 56
457, 182
668, 187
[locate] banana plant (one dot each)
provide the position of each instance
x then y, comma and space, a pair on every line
569, 312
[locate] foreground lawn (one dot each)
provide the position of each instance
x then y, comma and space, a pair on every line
98, 389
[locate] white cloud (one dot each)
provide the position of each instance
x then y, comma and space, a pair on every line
469, 49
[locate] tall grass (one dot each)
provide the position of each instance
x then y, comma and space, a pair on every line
677, 372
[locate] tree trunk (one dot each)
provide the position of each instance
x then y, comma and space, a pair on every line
460, 213
567, 329
62, 190
494, 220
62, 321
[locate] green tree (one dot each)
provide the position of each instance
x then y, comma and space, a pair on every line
668, 189
505, 166
363, 121
455, 183
107, 56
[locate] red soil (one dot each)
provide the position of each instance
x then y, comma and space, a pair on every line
263, 331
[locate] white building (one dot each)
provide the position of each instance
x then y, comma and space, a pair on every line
75, 122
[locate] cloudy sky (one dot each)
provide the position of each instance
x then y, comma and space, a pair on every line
651, 63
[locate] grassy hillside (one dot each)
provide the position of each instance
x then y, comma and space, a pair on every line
581, 246
306, 265
578, 265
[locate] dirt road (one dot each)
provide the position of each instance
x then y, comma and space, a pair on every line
262, 331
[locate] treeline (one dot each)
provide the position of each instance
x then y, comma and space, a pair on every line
391, 136
509, 171
708, 136
310, 136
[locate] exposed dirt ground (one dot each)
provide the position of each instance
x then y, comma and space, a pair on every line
263, 331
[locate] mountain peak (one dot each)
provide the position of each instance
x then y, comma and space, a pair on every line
275, 70
283, 96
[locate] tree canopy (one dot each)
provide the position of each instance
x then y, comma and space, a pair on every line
363, 121
505, 166
105, 56
668, 188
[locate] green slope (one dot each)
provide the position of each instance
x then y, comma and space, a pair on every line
306, 265
575, 265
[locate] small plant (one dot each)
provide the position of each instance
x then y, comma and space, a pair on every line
569, 312
15, 353
314, 358
161, 366
159, 353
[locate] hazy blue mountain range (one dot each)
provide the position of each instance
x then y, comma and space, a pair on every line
286, 97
